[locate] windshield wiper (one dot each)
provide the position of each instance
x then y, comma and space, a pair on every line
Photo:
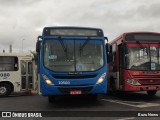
84, 44
144, 47
63, 46
140, 44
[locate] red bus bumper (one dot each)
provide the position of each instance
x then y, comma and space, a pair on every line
128, 87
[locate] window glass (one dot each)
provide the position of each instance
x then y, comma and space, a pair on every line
8, 63
143, 58
73, 55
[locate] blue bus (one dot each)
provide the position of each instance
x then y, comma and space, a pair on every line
72, 61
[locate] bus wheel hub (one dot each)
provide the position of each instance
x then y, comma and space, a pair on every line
3, 90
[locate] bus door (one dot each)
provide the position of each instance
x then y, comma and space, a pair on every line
121, 64
26, 75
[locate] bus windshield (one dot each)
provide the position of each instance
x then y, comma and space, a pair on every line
143, 58
73, 55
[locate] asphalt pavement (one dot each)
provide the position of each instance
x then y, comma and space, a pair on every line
118, 106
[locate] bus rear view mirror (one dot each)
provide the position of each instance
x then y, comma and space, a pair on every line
107, 47
106, 39
38, 44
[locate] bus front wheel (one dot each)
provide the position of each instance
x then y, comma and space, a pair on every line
93, 97
5, 89
51, 99
152, 92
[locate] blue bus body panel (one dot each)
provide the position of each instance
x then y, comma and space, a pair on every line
86, 81
55, 90
75, 84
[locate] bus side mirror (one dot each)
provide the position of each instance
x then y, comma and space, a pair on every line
111, 51
38, 44
107, 47
108, 51
106, 39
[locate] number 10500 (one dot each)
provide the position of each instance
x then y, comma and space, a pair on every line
64, 82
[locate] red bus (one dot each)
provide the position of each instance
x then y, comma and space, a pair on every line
134, 63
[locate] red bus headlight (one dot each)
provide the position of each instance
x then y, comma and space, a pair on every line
133, 82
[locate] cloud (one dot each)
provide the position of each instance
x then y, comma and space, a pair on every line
14, 3
25, 19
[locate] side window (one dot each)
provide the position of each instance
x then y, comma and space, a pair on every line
114, 62
23, 67
121, 55
30, 68
8, 63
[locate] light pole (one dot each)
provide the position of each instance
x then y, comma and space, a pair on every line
22, 44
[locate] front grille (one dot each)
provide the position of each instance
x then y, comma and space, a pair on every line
74, 76
149, 82
146, 76
148, 79
67, 90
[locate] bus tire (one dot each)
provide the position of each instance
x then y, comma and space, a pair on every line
5, 89
93, 97
51, 99
152, 92
112, 84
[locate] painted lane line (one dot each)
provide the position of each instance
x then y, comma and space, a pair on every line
131, 118
142, 104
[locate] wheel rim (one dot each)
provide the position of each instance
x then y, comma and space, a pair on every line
3, 90
152, 92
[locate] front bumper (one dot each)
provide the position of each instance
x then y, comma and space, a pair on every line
128, 87
47, 90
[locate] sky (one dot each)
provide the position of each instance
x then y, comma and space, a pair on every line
21, 21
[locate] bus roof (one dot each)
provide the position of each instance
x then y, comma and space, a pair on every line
122, 36
69, 27
72, 31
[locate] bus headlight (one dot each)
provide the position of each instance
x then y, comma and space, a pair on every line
101, 79
133, 82
47, 80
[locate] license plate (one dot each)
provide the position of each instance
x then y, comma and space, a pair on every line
151, 88
75, 92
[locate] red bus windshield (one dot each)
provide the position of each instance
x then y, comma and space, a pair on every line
143, 57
